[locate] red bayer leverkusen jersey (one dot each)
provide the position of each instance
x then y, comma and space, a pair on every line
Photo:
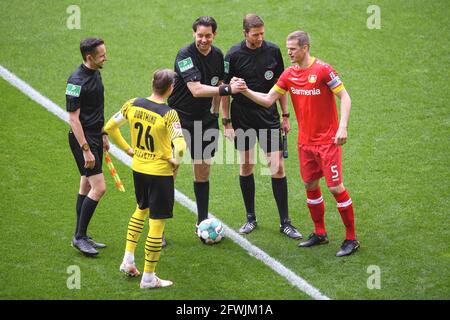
312, 92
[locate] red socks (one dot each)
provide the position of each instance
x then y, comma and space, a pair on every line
316, 209
345, 207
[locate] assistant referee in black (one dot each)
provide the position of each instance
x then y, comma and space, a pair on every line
85, 104
259, 63
200, 71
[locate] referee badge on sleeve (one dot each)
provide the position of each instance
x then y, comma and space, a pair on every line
73, 90
226, 66
185, 64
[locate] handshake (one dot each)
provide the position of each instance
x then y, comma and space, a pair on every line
238, 85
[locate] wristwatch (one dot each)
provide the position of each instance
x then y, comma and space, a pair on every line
226, 121
85, 147
285, 115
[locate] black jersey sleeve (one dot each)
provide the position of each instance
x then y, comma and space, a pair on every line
186, 68
280, 64
228, 72
222, 67
73, 93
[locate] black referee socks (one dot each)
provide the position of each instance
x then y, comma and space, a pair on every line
80, 200
280, 192
201, 190
87, 211
248, 193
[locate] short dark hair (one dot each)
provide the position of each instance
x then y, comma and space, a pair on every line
162, 80
205, 21
302, 38
251, 20
89, 46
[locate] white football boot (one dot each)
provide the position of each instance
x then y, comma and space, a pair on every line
129, 269
155, 283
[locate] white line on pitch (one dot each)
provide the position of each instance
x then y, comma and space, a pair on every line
259, 254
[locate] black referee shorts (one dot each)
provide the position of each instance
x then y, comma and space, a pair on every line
202, 136
156, 193
96, 145
252, 124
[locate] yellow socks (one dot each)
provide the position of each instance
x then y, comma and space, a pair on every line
153, 245
135, 227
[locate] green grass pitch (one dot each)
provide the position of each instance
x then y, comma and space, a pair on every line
396, 161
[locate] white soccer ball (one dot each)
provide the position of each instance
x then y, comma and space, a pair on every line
210, 231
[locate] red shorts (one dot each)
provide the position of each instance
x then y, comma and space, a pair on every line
321, 161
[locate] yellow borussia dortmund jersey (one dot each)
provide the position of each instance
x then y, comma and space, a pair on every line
153, 126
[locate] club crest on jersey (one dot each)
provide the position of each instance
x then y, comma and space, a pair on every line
312, 78
176, 126
214, 80
268, 75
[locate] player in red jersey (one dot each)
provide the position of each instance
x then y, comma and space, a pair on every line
312, 85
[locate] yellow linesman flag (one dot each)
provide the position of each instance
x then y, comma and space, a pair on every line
113, 171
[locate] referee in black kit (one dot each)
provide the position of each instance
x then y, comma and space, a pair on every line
85, 104
200, 71
259, 63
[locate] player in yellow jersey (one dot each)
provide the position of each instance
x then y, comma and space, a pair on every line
155, 128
